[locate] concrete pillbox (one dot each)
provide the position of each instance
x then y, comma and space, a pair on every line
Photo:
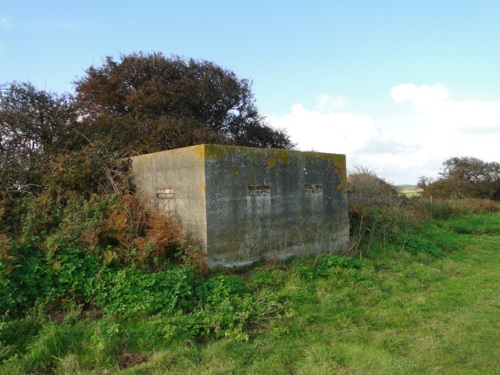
244, 204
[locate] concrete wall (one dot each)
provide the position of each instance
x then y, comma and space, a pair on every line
246, 203
264, 203
173, 183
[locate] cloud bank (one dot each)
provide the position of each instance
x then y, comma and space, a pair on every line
437, 109
434, 128
326, 131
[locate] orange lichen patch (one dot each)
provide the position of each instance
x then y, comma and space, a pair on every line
198, 151
341, 186
202, 189
271, 162
282, 157
339, 160
219, 152
336, 171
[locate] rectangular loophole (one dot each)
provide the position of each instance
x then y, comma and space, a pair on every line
259, 190
313, 189
165, 193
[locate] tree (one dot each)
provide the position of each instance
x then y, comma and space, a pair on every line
34, 126
147, 102
465, 177
365, 187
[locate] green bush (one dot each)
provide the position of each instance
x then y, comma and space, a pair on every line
128, 291
30, 276
192, 307
73, 274
23, 277
439, 211
415, 245
224, 309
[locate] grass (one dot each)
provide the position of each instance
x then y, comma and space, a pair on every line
409, 190
427, 304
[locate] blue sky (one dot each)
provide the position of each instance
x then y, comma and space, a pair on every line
399, 86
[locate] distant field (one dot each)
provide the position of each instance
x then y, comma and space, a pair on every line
409, 190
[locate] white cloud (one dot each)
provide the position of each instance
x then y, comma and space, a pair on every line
330, 103
348, 133
435, 128
422, 97
438, 110
326, 131
337, 132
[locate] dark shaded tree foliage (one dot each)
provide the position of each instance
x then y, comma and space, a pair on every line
142, 103
147, 103
58, 148
34, 127
462, 177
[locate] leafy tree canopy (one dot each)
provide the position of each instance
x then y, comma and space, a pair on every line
34, 126
139, 104
148, 102
464, 177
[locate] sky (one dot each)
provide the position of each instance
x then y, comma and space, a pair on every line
398, 86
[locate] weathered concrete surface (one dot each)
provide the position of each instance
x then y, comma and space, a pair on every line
173, 182
244, 204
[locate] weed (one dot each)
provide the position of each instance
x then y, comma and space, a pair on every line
415, 245
129, 292
420, 300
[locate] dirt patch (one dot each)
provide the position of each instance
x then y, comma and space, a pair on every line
91, 312
88, 312
129, 359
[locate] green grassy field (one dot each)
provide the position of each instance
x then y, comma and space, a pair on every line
425, 303
409, 190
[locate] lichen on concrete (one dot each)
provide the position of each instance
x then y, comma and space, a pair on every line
244, 204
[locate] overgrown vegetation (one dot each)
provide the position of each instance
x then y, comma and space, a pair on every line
464, 177
405, 301
368, 189
92, 283
140, 104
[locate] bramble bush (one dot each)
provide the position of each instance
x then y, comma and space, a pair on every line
30, 276
129, 292
194, 306
23, 276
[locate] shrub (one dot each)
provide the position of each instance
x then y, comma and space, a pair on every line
114, 228
415, 245
30, 276
464, 177
129, 292
73, 274
366, 188
23, 276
